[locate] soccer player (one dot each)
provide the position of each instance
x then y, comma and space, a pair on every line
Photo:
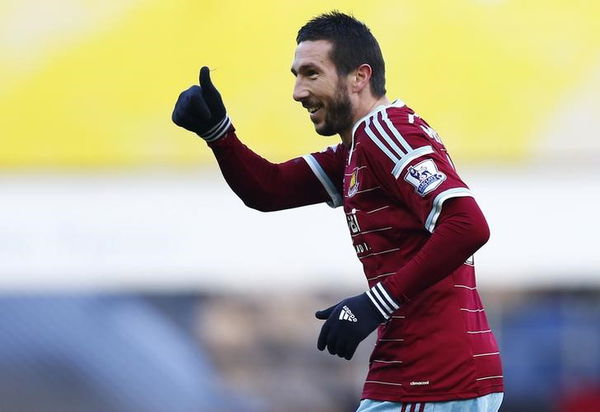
414, 223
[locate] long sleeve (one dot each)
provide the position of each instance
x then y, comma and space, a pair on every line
460, 232
442, 223
263, 185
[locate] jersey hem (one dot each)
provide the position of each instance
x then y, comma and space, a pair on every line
441, 397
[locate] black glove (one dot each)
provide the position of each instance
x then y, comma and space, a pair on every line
200, 109
353, 319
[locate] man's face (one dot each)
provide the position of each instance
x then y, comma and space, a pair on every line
319, 88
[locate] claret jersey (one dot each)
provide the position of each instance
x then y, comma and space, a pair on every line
392, 183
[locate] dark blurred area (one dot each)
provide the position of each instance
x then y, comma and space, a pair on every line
257, 352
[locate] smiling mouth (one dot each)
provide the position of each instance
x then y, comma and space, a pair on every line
312, 107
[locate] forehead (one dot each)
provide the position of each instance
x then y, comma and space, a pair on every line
312, 53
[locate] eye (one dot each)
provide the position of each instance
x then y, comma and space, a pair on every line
312, 74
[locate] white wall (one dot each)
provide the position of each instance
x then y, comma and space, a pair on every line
170, 230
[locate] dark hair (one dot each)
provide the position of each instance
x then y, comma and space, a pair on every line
353, 45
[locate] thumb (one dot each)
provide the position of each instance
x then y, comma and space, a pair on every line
211, 94
325, 313
204, 79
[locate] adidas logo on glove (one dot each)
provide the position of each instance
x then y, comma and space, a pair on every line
346, 314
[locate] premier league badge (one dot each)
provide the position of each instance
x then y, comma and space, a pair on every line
425, 177
353, 185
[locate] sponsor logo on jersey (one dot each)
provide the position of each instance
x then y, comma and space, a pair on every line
361, 248
353, 185
346, 314
425, 177
352, 221
420, 383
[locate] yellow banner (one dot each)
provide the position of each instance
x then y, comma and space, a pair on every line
93, 83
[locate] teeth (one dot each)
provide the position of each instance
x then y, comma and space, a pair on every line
312, 109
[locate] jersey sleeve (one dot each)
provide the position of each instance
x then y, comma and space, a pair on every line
328, 167
411, 163
267, 186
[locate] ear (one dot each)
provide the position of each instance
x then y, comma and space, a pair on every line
361, 78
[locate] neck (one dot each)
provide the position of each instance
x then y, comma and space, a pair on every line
361, 111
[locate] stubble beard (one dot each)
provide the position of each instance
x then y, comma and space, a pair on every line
339, 113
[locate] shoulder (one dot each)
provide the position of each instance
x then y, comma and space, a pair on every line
336, 152
396, 122
333, 151
392, 133
336, 149
331, 158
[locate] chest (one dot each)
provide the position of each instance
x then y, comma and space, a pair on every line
376, 220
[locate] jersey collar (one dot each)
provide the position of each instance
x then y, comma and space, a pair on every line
395, 103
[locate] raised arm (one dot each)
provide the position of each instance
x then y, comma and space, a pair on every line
260, 184
263, 185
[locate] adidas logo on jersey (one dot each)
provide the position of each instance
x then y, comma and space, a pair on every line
346, 314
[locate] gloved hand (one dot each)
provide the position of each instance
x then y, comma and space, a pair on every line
200, 109
353, 319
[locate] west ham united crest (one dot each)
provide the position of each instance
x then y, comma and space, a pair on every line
425, 177
353, 185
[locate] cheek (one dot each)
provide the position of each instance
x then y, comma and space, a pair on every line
325, 88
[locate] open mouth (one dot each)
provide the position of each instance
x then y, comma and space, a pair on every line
314, 111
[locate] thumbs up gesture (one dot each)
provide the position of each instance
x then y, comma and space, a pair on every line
200, 109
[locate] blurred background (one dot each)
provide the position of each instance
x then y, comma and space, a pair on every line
132, 279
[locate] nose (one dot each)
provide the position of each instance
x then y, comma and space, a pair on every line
300, 92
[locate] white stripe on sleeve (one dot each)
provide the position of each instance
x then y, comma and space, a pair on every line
421, 151
395, 132
218, 130
382, 300
401, 153
336, 198
376, 303
439, 200
391, 301
379, 143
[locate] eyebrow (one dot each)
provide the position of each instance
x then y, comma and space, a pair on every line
304, 67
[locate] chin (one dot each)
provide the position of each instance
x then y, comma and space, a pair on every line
325, 130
